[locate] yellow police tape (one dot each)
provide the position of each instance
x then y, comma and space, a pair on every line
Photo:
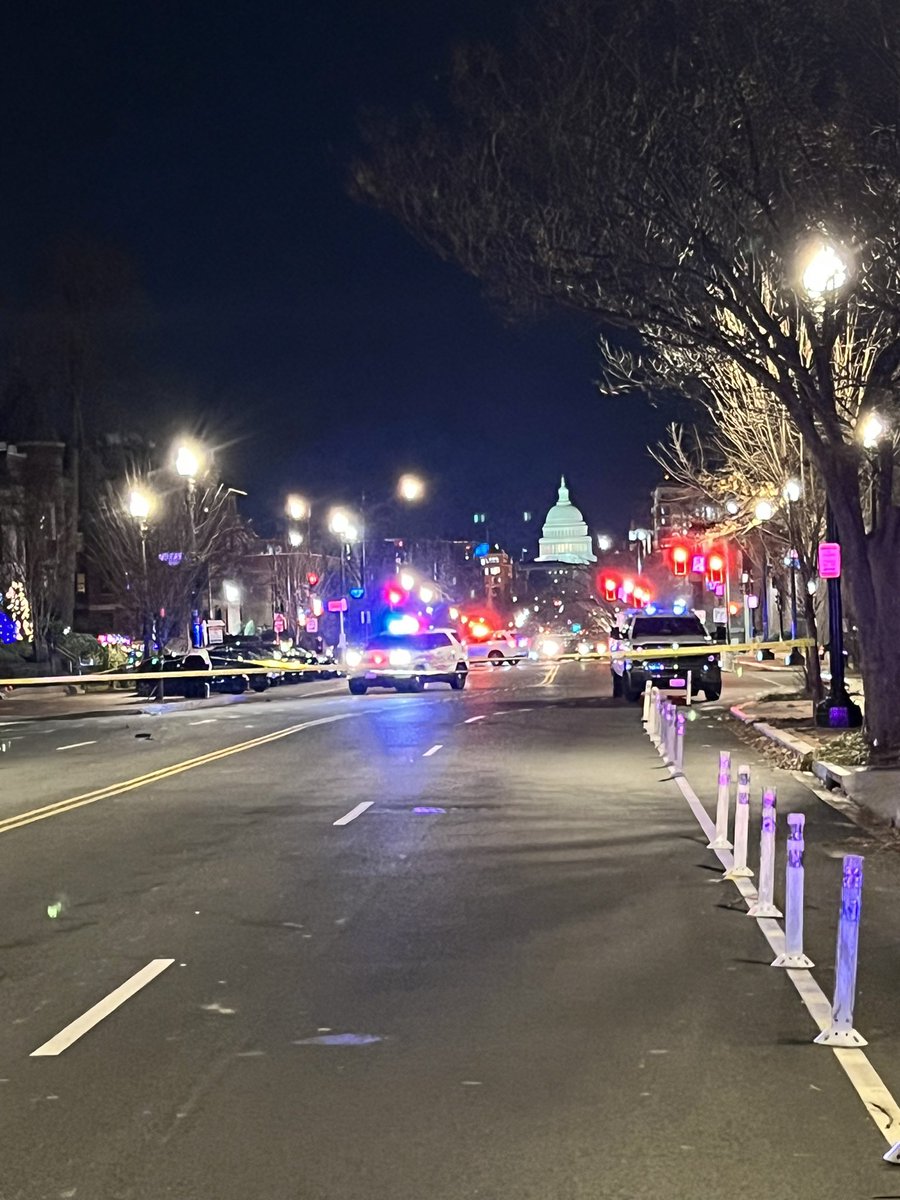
139, 676
276, 665
716, 648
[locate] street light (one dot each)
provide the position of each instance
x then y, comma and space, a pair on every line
604, 542
296, 508
295, 537
792, 491
872, 429
824, 271
764, 511
188, 461
410, 488
140, 505
338, 521
732, 507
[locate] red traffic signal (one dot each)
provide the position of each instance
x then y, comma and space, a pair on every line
716, 567
312, 578
394, 595
680, 554
610, 587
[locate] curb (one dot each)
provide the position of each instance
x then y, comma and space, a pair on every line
830, 775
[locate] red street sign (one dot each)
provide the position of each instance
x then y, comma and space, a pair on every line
279, 623
337, 605
829, 560
698, 564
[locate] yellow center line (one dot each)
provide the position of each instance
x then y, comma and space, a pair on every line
130, 785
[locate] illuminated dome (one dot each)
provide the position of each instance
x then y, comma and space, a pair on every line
565, 534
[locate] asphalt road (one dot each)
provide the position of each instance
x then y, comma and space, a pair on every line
514, 974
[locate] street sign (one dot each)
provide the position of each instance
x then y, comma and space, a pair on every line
357, 593
698, 564
753, 601
215, 632
338, 605
720, 616
279, 622
481, 549
312, 624
830, 560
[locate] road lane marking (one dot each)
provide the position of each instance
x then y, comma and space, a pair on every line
354, 813
472, 720
205, 721
433, 750
81, 1025
75, 745
130, 785
867, 1083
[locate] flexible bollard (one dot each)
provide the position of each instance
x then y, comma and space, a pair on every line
670, 733
740, 870
793, 956
723, 800
765, 901
648, 697
655, 717
841, 1031
680, 722
689, 689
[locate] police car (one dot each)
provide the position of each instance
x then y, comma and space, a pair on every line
406, 662
670, 672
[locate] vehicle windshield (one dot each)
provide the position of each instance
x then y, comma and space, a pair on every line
408, 641
686, 626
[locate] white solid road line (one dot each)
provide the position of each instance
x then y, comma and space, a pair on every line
75, 745
867, 1083
205, 721
354, 813
471, 720
433, 750
80, 1026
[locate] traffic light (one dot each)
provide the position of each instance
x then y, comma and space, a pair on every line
680, 554
641, 596
716, 568
312, 578
609, 587
317, 606
394, 595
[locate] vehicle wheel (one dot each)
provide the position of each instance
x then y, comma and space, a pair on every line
357, 686
495, 657
458, 681
200, 690
260, 685
414, 684
617, 684
632, 694
712, 693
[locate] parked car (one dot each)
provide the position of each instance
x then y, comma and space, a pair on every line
177, 683
503, 645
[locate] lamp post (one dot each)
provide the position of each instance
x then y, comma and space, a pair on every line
825, 272
140, 505
189, 464
341, 525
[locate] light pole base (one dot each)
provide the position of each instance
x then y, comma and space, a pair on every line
794, 962
838, 712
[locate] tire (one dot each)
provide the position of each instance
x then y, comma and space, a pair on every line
712, 693
633, 696
414, 684
259, 684
617, 684
458, 681
496, 657
358, 687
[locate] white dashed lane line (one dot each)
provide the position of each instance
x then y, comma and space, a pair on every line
75, 745
433, 750
472, 720
80, 1026
205, 721
354, 813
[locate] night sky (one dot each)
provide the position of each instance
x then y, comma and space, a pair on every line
328, 350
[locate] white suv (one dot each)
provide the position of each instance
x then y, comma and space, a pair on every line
406, 662
501, 646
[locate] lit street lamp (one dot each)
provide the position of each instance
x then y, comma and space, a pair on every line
825, 272
410, 488
140, 505
341, 525
295, 538
604, 542
792, 491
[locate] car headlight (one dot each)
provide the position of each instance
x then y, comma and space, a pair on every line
584, 647
601, 647
353, 658
550, 648
399, 658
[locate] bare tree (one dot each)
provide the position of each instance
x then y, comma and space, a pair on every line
159, 567
670, 169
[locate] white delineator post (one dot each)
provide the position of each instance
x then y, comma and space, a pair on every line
689, 689
765, 901
793, 956
740, 870
670, 732
648, 699
680, 722
723, 802
841, 1031
655, 717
